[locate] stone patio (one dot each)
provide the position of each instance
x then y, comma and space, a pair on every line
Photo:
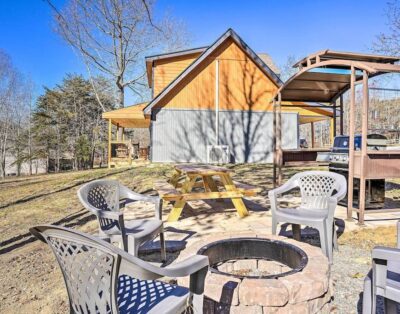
202, 219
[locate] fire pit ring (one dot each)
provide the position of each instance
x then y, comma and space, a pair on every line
254, 248
304, 285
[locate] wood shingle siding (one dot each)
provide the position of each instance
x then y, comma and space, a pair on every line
166, 70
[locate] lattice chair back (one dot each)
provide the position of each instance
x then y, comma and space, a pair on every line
89, 269
101, 195
316, 187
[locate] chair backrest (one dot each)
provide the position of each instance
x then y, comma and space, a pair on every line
89, 267
317, 186
101, 195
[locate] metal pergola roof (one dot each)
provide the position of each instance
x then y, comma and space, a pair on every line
327, 54
322, 78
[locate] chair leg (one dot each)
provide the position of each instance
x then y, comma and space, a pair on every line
163, 249
373, 310
329, 239
367, 295
322, 236
390, 306
196, 287
133, 246
274, 225
335, 238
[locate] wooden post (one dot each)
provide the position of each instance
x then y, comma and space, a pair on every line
109, 142
274, 142
312, 135
279, 139
341, 115
364, 131
334, 120
123, 134
331, 130
216, 102
350, 180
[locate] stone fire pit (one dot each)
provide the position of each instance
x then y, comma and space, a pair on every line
260, 273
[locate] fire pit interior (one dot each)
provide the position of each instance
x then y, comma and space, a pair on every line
254, 258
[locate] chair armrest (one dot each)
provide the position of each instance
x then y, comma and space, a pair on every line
332, 204
128, 194
187, 267
386, 253
143, 270
108, 214
197, 267
342, 191
380, 257
289, 185
273, 194
125, 193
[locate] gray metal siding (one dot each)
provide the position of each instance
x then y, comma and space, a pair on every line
249, 134
183, 135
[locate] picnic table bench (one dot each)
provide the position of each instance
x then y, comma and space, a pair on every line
215, 182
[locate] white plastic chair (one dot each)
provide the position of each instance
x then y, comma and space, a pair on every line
383, 279
320, 193
101, 278
104, 198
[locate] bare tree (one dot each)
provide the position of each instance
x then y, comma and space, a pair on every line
389, 43
112, 37
13, 112
287, 69
7, 81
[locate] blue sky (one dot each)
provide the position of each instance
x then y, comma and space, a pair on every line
280, 28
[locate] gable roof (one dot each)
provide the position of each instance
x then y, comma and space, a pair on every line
230, 33
150, 59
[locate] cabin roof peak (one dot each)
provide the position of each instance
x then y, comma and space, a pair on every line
230, 33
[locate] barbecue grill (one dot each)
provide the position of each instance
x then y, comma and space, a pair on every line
339, 163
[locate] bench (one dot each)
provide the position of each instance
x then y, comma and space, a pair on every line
166, 190
245, 189
169, 193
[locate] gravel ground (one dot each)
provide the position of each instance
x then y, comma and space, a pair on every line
350, 266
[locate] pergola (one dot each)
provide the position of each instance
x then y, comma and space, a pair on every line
128, 117
324, 77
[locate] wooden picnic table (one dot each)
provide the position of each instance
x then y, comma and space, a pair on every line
214, 182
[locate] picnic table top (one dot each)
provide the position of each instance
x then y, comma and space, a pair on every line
201, 169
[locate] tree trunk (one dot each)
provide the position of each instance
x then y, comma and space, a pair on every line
30, 139
3, 168
121, 97
121, 100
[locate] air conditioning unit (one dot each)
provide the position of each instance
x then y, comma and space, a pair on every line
218, 154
